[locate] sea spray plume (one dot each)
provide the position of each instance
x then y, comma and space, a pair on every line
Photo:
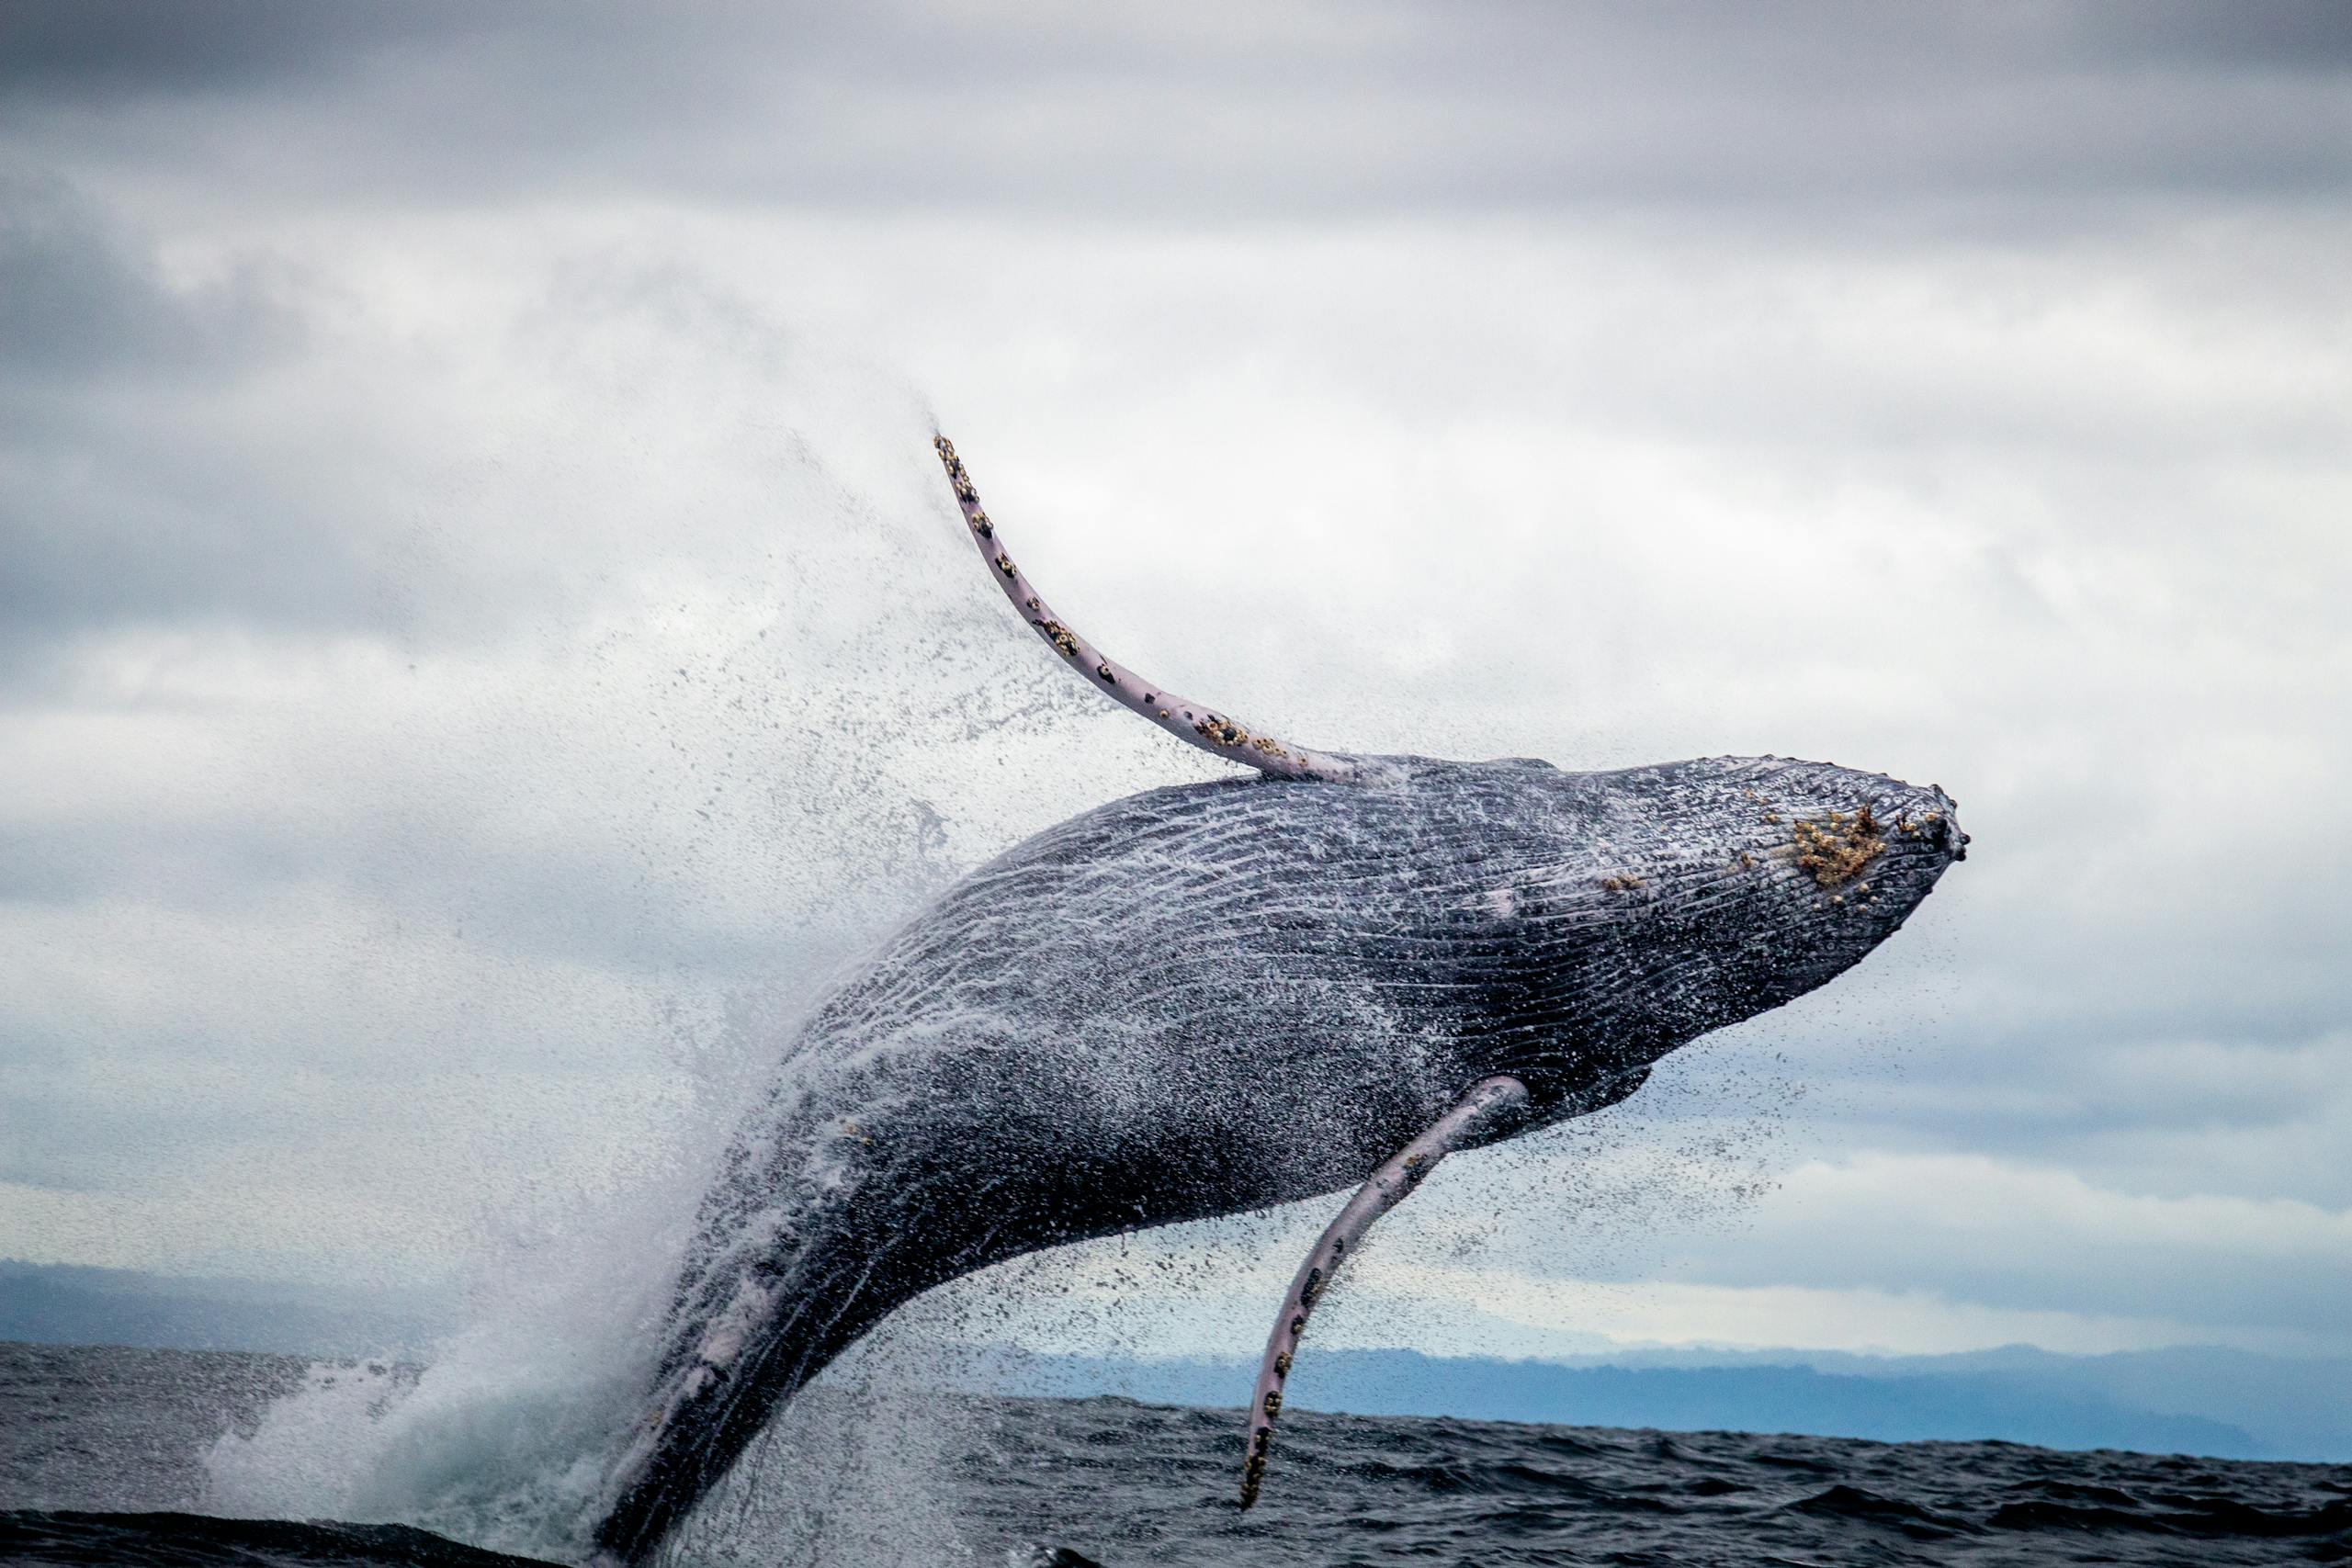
1216, 997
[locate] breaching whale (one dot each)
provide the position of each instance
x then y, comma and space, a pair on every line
1216, 997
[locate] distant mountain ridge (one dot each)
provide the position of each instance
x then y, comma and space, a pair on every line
65, 1304
1952, 1407
2199, 1400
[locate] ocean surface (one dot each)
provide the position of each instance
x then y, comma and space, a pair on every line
104, 1459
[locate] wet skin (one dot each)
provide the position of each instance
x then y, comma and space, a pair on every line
1214, 999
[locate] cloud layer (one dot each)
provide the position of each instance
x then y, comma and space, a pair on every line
482, 637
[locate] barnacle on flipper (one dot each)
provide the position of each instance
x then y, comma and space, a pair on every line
1223, 731
1835, 849
1062, 638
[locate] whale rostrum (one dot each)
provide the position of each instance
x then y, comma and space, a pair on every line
1329, 973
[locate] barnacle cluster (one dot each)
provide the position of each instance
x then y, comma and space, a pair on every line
1221, 731
1837, 848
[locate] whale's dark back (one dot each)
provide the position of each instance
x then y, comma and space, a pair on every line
1205, 999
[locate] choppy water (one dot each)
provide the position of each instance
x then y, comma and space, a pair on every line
101, 1462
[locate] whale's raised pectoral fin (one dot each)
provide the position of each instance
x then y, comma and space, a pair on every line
1490, 1101
1188, 721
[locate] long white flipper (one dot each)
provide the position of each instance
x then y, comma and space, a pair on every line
1490, 1101
1181, 716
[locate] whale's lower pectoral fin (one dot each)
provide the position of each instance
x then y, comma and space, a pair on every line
1489, 1102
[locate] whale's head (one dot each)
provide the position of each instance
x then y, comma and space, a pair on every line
1642, 909
1840, 859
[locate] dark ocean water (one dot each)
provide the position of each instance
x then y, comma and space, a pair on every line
101, 1462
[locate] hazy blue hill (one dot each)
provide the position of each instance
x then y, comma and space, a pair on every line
2300, 1407
2225, 1403
48, 1305
2305, 1404
2048, 1411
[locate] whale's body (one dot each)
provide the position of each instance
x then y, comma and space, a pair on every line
1212, 998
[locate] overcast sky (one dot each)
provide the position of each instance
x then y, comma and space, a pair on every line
481, 630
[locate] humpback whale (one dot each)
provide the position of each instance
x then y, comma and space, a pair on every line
1330, 972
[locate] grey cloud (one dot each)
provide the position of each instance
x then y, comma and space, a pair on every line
2025, 1258
232, 453
116, 500
110, 519
2147, 1114
127, 48
2295, 35
81, 296
2043, 113
453, 595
